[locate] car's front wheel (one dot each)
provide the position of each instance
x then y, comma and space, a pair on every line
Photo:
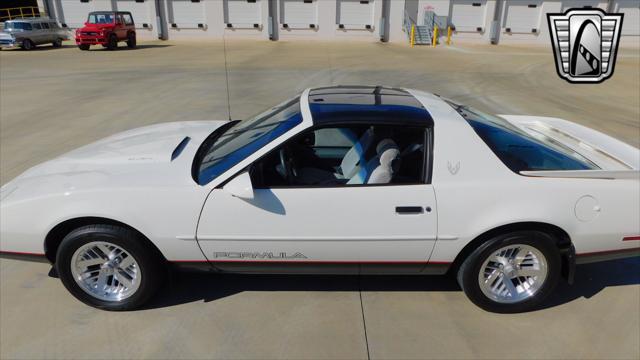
28, 44
108, 267
112, 42
512, 272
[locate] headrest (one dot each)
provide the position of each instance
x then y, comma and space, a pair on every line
388, 156
384, 145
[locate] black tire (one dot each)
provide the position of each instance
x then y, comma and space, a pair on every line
28, 44
150, 265
84, 47
112, 43
131, 40
57, 43
469, 271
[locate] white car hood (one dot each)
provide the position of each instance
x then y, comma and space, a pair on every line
138, 157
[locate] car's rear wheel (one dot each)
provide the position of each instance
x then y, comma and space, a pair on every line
112, 43
28, 44
131, 41
108, 267
57, 43
512, 272
84, 46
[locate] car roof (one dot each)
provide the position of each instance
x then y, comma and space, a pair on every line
32, 19
367, 105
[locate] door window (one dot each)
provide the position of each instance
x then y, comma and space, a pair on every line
345, 156
128, 20
37, 26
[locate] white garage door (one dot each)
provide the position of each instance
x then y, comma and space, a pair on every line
143, 11
242, 13
469, 15
185, 13
522, 16
299, 13
75, 12
631, 21
572, 4
355, 13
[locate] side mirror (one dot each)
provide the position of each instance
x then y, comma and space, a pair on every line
240, 186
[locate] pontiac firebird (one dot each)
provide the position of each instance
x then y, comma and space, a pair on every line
340, 180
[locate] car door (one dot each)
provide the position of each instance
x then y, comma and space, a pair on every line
323, 227
121, 30
47, 33
37, 35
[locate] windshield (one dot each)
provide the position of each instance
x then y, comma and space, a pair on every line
100, 18
222, 151
17, 26
519, 150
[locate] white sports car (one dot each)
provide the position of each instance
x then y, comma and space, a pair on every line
340, 180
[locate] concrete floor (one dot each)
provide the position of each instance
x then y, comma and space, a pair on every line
54, 100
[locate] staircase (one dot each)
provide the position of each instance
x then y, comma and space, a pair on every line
422, 34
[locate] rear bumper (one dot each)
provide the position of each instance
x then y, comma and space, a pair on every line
586, 258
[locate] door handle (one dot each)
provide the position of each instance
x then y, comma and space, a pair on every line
405, 210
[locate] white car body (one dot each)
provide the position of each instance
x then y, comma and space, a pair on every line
131, 178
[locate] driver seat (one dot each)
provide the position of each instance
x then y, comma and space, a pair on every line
351, 164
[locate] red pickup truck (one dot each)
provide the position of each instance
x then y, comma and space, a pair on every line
107, 28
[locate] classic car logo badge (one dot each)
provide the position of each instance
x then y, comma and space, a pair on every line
453, 169
585, 44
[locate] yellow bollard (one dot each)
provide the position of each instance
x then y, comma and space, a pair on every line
449, 31
435, 35
413, 35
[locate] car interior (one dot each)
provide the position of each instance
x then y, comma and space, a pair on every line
343, 156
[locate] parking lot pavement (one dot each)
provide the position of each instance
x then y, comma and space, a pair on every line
54, 100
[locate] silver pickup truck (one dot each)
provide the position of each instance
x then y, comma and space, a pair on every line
27, 33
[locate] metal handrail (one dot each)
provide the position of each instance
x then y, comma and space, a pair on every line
20, 12
407, 22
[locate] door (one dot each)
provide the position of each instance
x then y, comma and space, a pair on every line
120, 29
298, 14
242, 13
333, 214
469, 15
355, 13
522, 16
37, 34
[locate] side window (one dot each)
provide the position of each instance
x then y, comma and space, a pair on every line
53, 25
128, 20
345, 156
36, 26
45, 25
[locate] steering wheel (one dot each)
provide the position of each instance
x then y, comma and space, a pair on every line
287, 163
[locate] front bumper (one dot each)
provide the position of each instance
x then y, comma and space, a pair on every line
91, 40
8, 44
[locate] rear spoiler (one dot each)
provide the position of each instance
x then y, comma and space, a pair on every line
586, 174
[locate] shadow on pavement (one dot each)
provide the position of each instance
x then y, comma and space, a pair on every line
189, 287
